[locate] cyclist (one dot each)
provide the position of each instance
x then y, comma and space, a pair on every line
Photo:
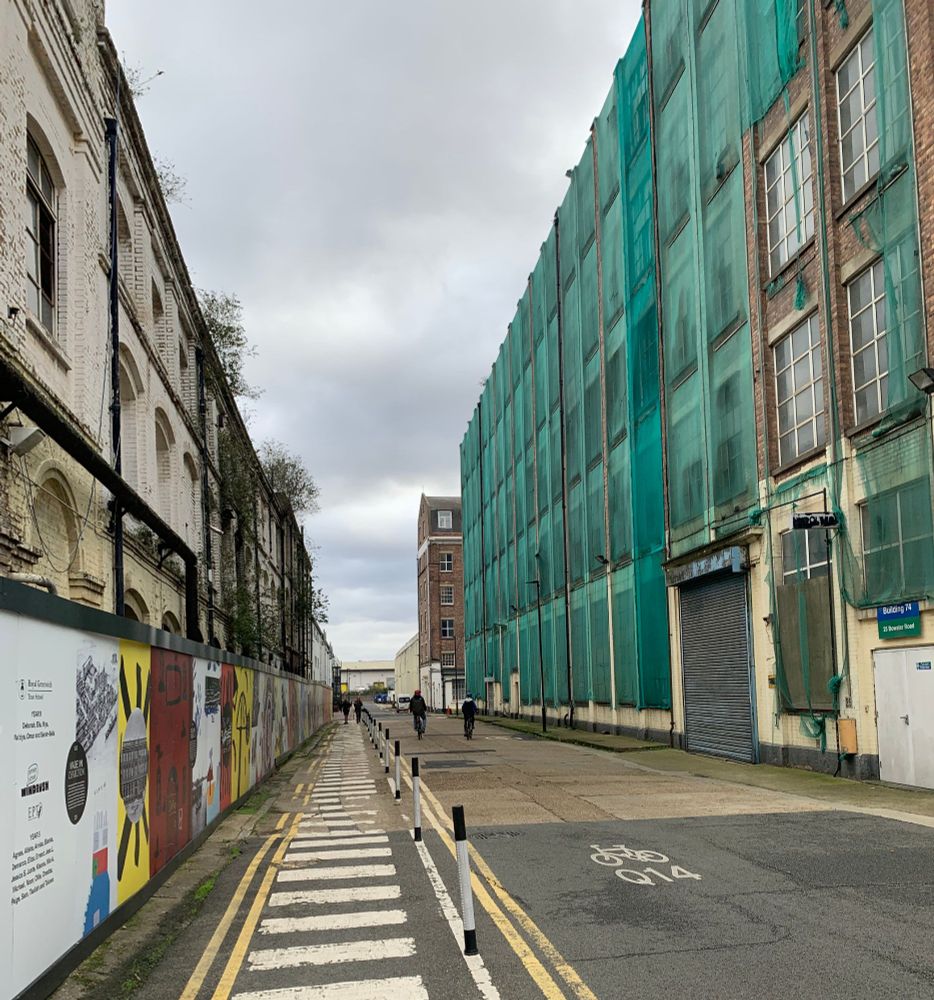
469, 710
419, 709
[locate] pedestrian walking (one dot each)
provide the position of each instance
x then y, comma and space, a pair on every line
358, 707
345, 708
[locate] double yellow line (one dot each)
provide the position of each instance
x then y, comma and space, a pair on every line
435, 813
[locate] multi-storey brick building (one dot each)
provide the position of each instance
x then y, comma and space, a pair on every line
164, 514
789, 160
440, 601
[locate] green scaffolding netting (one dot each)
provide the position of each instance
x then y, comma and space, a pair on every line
563, 453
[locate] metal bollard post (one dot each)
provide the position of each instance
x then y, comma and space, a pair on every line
386, 751
417, 799
379, 739
398, 774
463, 871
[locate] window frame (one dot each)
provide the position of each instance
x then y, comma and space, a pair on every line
445, 515
42, 245
864, 43
817, 419
810, 566
442, 591
902, 542
794, 158
445, 622
880, 378
446, 562
453, 659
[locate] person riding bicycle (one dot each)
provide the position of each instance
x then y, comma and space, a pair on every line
469, 711
419, 709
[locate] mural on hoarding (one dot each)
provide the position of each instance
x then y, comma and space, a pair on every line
228, 681
242, 732
133, 769
206, 733
115, 757
170, 765
96, 682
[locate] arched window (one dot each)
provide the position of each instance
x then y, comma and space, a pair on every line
55, 526
134, 607
171, 624
131, 388
41, 238
165, 442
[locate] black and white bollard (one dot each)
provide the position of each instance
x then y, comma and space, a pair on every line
463, 872
417, 799
386, 751
398, 773
379, 740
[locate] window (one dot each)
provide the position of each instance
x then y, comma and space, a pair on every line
445, 519
40, 238
447, 562
866, 301
447, 595
789, 195
856, 108
447, 659
799, 388
447, 628
898, 547
805, 554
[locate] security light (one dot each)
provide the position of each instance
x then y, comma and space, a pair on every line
22, 440
923, 379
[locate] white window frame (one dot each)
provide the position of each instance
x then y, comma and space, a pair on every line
447, 660
447, 628
787, 207
447, 590
816, 562
876, 345
902, 542
807, 364
865, 165
41, 203
445, 516
447, 562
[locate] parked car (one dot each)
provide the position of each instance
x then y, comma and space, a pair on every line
402, 702
381, 699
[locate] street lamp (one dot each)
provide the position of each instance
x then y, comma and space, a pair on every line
923, 379
541, 660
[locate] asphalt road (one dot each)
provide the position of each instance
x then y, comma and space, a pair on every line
599, 876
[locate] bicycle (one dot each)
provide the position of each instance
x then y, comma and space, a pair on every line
468, 728
420, 725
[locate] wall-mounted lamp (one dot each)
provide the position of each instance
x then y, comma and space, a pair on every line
12, 312
923, 379
22, 440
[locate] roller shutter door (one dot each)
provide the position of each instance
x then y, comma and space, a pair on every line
718, 707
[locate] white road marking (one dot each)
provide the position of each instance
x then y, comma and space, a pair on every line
350, 854
342, 841
320, 824
333, 921
330, 954
479, 972
402, 988
326, 897
342, 872
336, 833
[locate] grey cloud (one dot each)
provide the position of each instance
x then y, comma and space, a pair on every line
374, 180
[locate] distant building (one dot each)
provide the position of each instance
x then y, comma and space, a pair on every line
362, 675
406, 667
440, 601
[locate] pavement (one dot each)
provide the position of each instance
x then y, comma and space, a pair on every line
595, 875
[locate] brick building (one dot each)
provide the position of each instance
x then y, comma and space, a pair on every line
167, 517
748, 342
440, 601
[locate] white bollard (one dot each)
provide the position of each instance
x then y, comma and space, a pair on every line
398, 774
417, 799
463, 872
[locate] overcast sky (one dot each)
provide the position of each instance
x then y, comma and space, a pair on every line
374, 179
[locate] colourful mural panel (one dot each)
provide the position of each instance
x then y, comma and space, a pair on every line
133, 711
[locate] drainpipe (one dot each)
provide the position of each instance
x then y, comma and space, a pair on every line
205, 491
110, 125
564, 475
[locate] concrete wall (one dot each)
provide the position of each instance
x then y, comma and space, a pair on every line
406, 667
